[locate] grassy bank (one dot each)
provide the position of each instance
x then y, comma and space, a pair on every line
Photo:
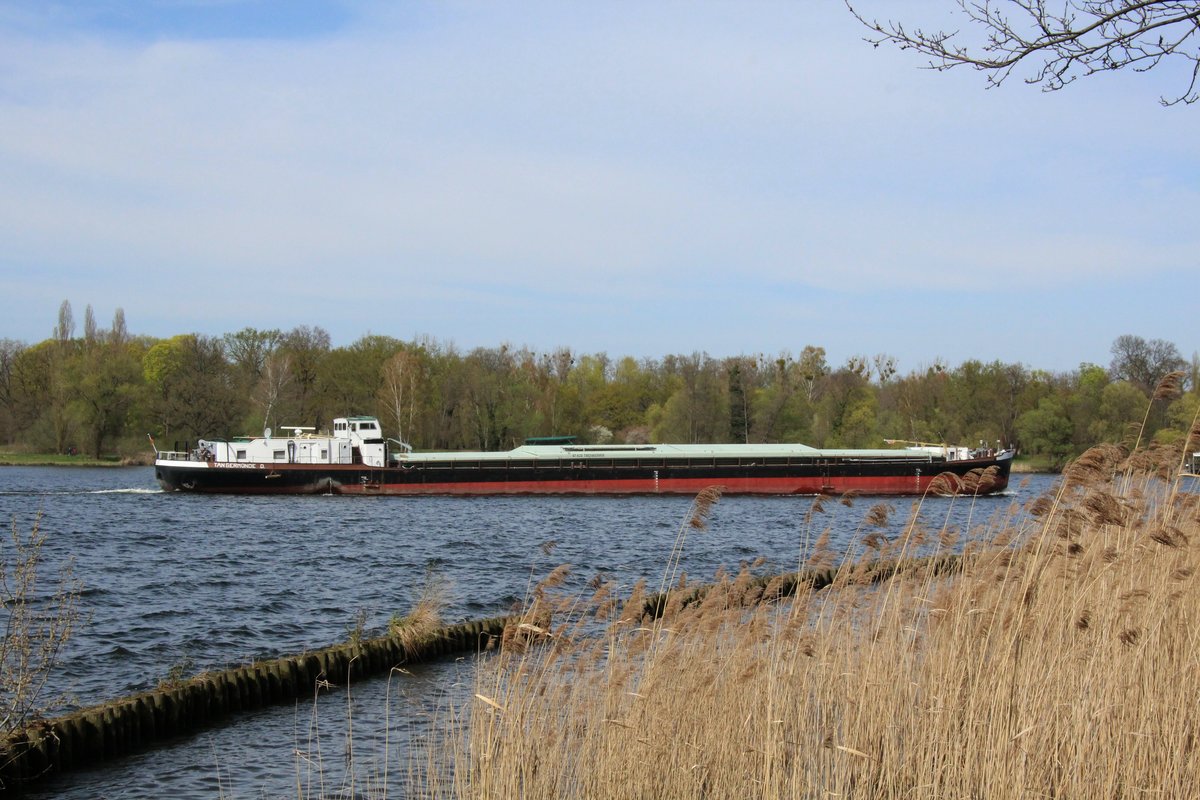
1036, 464
11, 458
1060, 662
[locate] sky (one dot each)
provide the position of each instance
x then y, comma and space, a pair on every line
630, 178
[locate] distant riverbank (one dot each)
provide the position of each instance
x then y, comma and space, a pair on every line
10, 459
1034, 465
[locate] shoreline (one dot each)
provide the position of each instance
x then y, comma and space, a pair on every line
7, 460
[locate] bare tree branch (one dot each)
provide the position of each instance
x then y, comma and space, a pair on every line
1076, 39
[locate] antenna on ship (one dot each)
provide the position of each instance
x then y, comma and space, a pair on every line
945, 448
298, 430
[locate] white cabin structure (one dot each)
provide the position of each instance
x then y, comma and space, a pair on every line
355, 440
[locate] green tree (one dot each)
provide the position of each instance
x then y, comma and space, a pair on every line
1183, 415
495, 400
401, 376
256, 372
351, 378
30, 384
248, 350
812, 370
106, 378
782, 412
696, 411
740, 414
1083, 404
1046, 430
590, 393
10, 352
635, 388
270, 389
56, 411
162, 366
918, 403
193, 392
303, 349
858, 426
556, 403
1121, 409
846, 411
444, 417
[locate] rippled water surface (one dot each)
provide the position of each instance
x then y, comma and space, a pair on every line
199, 582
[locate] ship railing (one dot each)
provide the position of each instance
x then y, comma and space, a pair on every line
1191, 465
173, 455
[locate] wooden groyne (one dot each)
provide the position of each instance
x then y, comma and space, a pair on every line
131, 724
125, 726
769, 588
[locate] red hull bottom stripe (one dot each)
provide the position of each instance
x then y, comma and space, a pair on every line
900, 485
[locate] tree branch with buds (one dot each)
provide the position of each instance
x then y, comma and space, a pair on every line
1074, 39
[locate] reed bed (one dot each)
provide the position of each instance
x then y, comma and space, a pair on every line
1062, 659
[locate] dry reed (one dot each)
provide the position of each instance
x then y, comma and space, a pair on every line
1061, 666
413, 629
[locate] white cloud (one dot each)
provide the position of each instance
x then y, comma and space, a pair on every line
628, 150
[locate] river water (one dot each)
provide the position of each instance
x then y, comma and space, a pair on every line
177, 582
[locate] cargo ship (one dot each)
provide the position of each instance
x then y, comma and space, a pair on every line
355, 458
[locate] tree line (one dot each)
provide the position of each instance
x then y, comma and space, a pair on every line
102, 391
